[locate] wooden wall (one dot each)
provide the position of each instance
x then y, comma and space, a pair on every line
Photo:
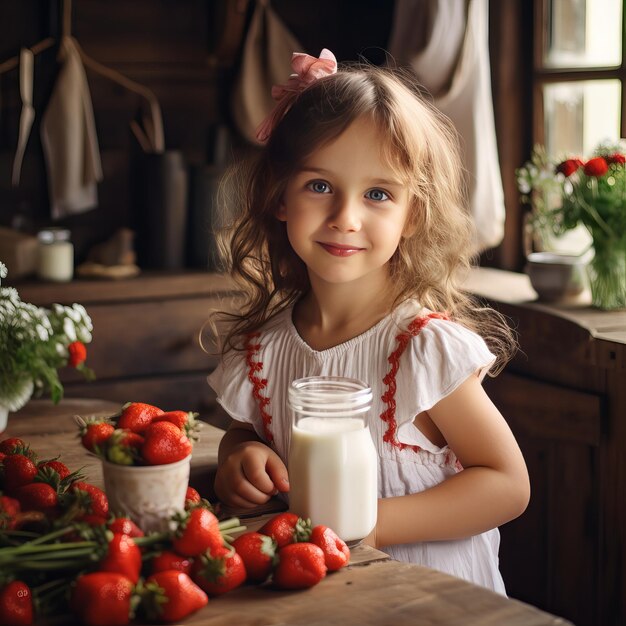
177, 49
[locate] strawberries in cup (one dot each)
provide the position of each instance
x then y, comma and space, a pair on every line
140, 434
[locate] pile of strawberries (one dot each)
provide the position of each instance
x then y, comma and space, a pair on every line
62, 551
140, 434
291, 552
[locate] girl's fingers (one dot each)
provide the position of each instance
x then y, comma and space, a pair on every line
278, 473
238, 491
254, 472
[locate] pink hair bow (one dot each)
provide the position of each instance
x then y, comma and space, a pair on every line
307, 70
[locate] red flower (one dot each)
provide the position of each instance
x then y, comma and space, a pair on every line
78, 353
616, 158
596, 167
569, 167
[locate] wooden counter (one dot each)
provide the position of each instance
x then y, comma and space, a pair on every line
564, 395
373, 590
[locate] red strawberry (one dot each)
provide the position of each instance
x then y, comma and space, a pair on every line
9, 509
123, 556
192, 497
170, 560
220, 572
77, 353
183, 596
37, 497
258, 553
8, 445
94, 434
60, 468
336, 552
300, 565
286, 528
16, 604
185, 420
125, 526
102, 599
94, 499
198, 531
123, 446
19, 470
164, 443
137, 416
178, 418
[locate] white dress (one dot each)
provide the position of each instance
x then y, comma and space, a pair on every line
411, 359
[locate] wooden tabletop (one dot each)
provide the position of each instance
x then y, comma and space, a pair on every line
373, 590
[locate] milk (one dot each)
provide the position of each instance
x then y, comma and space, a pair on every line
333, 475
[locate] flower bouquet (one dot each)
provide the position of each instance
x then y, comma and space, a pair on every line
36, 342
571, 192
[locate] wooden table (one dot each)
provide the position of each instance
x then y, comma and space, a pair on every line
373, 590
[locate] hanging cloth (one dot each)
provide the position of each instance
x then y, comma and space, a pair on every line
453, 64
27, 114
266, 61
68, 134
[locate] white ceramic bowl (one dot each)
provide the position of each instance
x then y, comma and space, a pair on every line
555, 276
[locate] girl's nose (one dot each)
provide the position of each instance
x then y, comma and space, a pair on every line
345, 216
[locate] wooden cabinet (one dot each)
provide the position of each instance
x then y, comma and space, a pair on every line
146, 339
564, 396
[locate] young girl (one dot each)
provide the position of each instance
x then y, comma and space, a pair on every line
350, 242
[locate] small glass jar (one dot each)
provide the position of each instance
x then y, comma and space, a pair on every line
333, 464
56, 255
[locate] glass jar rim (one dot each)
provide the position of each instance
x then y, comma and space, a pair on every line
53, 234
326, 396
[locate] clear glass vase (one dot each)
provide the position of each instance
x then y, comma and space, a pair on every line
607, 276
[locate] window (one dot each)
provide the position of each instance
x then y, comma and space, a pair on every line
579, 72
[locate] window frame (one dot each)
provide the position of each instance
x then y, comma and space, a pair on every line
542, 75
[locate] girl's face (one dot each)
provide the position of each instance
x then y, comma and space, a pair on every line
346, 209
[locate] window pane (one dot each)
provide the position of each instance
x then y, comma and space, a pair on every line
584, 33
579, 115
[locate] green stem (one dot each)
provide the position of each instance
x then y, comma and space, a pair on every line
229, 523
49, 556
151, 539
20, 533
53, 535
30, 547
53, 565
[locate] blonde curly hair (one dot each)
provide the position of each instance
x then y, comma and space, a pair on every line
421, 146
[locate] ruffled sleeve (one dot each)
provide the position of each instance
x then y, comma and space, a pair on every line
230, 382
437, 360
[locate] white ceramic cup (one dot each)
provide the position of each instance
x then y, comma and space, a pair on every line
148, 494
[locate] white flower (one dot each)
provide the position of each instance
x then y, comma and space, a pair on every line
83, 335
33, 345
69, 330
42, 332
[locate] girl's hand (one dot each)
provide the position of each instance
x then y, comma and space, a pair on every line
250, 475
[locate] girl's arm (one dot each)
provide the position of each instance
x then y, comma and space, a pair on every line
248, 471
492, 489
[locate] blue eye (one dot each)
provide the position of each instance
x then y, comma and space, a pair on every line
319, 186
378, 195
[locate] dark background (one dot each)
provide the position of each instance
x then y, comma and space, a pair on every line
181, 50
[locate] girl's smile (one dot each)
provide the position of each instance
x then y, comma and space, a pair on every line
339, 249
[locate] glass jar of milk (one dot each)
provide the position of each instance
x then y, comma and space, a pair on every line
56, 255
333, 465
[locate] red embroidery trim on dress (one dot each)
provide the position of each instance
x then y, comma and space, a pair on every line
389, 397
258, 383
